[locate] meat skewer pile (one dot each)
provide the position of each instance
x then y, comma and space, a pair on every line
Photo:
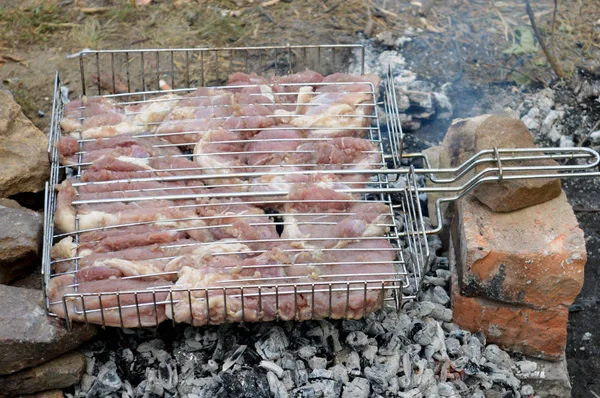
222, 205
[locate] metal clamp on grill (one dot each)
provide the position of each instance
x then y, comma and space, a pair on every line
254, 197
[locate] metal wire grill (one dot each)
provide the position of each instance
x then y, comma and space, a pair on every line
197, 190
350, 290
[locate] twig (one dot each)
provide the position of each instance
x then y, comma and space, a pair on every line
333, 7
556, 66
587, 137
594, 394
516, 71
553, 26
583, 210
94, 10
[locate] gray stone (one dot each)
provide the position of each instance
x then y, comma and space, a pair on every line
23, 151
28, 337
20, 244
359, 388
465, 137
61, 372
549, 380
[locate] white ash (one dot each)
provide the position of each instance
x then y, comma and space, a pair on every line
418, 101
415, 352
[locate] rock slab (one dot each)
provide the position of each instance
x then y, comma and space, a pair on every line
540, 333
28, 337
20, 244
533, 257
61, 372
466, 137
23, 150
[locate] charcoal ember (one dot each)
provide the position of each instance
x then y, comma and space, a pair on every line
273, 345
244, 384
414, 393
358, 388
339, 373
453, 346
440, 296
351, 361
321, 374
351, 325
287, 380
357, 340
426, 335
435, 310
300, 374
434, 280
527, 390
397, 323
107, 381
225, 342
389, 344
326, 335
307, 352
276, 386
369, 353
497, 356
473, 348
446, 389
151, 387
167, 376
317, 362
287, 361
377, 377
272, 367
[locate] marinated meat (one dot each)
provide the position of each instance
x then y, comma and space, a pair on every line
169, 235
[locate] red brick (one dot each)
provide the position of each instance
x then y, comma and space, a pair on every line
533, 256
540, 333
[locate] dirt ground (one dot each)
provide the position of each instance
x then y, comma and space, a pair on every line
483, 47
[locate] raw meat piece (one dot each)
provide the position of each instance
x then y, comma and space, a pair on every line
272, 147
332, 229
312, 197
138, 309
220, 152
341, 153
233, 219
113, 239
152, 113
216, 297
77, 111
203, 110
69, 147
359, 265
93, 217
336, 109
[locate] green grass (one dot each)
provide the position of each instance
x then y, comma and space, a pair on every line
20, 26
